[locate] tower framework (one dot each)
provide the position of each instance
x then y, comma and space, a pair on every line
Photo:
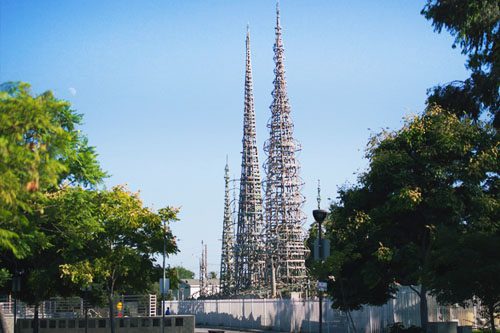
227, 273
248, 250
203, 271
286, 251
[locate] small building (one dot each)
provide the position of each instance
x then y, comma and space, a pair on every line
190, 289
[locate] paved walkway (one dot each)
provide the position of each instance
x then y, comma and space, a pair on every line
226, 330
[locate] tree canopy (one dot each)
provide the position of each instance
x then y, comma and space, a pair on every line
40, 149
439, 172
475, 26
58, 231
119, 253
184, 273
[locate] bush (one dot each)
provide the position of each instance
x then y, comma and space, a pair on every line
400, 328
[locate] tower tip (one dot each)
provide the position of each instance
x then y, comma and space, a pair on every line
318, 199
277, 10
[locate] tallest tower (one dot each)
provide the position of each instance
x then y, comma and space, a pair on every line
248, 249
284, 218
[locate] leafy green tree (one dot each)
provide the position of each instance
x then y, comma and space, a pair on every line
465, 267
62, 231
434, 173
475, 26
40, 149
120, 253
184, 273
171, 274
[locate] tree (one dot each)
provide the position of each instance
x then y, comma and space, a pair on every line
41, 151
184, 273
40, 148
466, 267
212, 275
432, 174
475, 26
120, 254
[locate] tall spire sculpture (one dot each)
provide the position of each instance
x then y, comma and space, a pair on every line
249, 256
227, 282
284, 218
204, 271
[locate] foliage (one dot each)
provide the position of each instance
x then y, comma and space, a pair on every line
170, 272
466, 267
434, 173
4, 276
40, 149
120, 253
475, 26
400, 328
356, 276
63, 228
184, 273
123, 242
41, 152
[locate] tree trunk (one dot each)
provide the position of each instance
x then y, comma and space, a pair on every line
345, 305
424, 312
491, 313
36, 323
111, 313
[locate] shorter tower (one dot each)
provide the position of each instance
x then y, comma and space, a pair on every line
227, 281
203, 271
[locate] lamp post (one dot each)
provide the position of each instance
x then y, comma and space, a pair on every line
86, 290
16, 288
163, 280
320, 216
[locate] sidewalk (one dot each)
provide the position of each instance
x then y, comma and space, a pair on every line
227, 330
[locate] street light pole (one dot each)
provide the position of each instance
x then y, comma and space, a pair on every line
86, 290
320, 216
16, 288
163, 281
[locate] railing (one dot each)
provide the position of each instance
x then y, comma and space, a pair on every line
131, 306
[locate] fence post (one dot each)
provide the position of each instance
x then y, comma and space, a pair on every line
265, 311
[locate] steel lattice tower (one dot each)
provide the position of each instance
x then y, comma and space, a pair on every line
203, 271
286, 251
227, 281
248, 250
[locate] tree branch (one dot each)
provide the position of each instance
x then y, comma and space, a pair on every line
415, 290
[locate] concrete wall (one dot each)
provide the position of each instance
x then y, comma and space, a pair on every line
173, 324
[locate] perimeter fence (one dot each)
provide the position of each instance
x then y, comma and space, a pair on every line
285, 315
288, 315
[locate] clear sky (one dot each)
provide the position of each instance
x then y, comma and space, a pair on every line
161, 86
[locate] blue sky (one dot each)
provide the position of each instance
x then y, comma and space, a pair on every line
161, 86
